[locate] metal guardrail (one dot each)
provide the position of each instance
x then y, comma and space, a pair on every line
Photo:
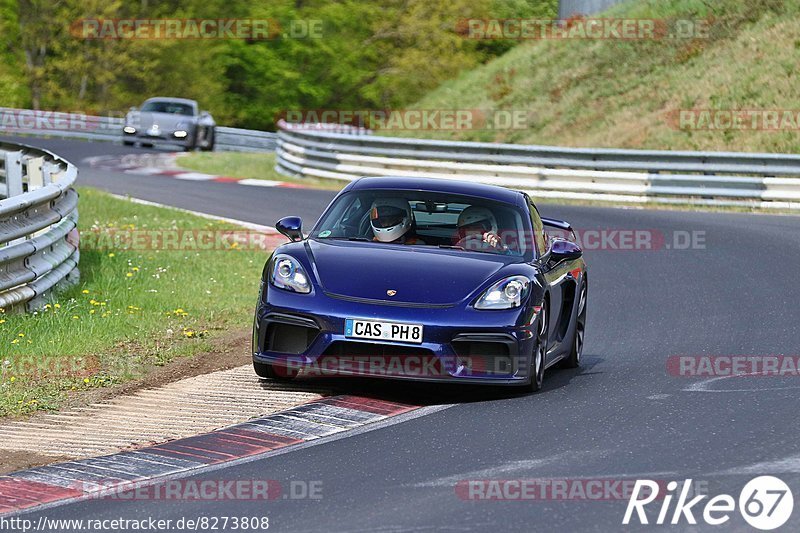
38, 226
633, 176
94, 128
239, 140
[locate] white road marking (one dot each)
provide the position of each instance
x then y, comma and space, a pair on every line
145, 171
787, 465
194, 176
492, 472
248, 225
259, 183
702, 386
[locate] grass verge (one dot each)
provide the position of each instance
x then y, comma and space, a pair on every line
628, 93
137, 307
249, 166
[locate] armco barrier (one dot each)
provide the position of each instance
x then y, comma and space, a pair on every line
38, 220
633, 176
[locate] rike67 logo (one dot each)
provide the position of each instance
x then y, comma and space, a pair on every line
765, 503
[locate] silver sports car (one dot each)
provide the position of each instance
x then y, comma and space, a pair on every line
163, 120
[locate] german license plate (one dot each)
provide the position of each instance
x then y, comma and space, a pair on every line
388, 331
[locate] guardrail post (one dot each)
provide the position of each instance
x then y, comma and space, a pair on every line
13, 165
47, 173
35, 175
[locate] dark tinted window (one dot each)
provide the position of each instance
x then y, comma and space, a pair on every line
173, 108
539, 236
435, 217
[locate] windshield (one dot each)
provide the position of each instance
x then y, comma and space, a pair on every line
173, 108
424, 218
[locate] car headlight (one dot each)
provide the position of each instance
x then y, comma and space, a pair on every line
287, 274
505, 294
180, 134
129, 129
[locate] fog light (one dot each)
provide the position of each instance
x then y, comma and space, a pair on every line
129, 129
180, 134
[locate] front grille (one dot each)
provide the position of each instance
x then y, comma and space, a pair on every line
363, 358
362, 349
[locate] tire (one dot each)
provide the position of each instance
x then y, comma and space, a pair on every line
573, 360
128, 143
268, 371
208, 145
539, 359
194, 143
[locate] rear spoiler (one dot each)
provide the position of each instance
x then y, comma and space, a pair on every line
562, 225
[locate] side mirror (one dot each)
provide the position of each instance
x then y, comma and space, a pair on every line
292, 227
564, 250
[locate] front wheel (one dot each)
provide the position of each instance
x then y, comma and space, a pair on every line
574, 358
208, 142
539, 353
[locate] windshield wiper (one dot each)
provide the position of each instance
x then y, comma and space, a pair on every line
451, 247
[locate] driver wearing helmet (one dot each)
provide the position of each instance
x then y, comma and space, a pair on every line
392, 221
477, 230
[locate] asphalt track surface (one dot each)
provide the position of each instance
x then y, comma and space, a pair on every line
621, 416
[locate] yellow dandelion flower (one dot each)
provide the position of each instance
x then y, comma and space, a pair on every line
85, 291
111, 255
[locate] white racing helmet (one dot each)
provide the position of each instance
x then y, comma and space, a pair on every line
477, 216
391, 218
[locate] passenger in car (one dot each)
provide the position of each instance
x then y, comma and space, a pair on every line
477, 230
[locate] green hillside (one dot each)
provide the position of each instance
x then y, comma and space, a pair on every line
626, 93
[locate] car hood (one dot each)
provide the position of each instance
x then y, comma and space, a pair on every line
420, 275
165, 121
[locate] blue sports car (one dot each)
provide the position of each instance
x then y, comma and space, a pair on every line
423, 279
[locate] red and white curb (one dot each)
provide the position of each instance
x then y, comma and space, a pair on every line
164, 165
79, 479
